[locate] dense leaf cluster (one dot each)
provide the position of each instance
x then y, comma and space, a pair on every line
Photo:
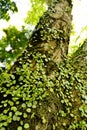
37, 10
5, 7
13, 43
30, 99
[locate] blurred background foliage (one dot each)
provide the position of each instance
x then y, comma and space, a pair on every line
14, 40
13, 43
37, 10
5, 7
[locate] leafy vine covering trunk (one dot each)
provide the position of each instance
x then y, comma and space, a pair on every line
52, 33
44, 90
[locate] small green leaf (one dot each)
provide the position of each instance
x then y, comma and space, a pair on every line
21, 122
5, 111
28, 110
43, 120
11, 103
23, 105
14, 108
10, 114
16, 118
19, 128
5, 104
24, 115
26, 125
12, 76
18, 113
29, 104
17, 102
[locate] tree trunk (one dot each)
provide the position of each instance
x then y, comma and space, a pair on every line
51, 35
43, 90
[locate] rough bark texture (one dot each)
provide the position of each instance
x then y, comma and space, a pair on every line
39, 93
52, 33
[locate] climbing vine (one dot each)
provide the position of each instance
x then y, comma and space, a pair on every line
23, 91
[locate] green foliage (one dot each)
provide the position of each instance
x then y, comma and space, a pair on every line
29, 96
15, 40
26, 93
37, 10
5, 7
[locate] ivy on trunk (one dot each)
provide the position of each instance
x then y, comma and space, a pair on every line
45, 90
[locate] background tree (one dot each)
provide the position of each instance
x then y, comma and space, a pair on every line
12, 44
45, 90
37, 10
5, 7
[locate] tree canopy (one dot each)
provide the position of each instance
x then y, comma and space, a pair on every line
12, 44
5, 7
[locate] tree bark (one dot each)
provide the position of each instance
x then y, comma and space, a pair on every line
47, 96
51, 35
